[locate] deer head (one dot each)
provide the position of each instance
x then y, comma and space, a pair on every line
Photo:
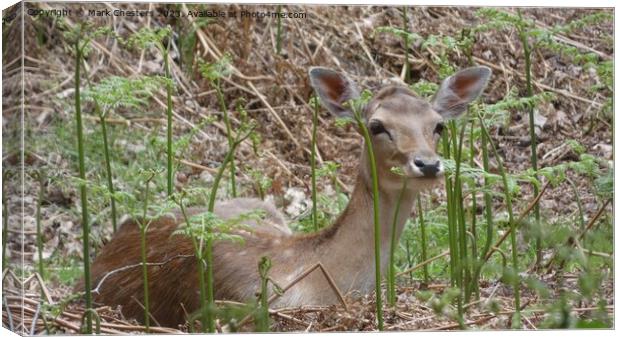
404, 128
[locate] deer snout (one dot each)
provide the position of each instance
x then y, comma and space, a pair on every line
426, 167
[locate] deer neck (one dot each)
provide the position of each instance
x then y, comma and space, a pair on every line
349, 242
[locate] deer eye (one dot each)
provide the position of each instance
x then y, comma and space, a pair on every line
439, 128
376, 127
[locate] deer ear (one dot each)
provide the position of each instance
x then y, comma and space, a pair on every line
333, 89
460, 89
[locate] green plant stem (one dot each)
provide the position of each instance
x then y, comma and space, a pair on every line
145, 277
377, 224
392, 267
409, 260
229, 137
406, 44
473, 230
523, 35
208, 249
88, 313
217, 179
513, 237
5, 222
263, 319
38, 221
205, 315
423, 238
488, 208
209, 244
459, 211
170, 156
279, 32
582, 223
263, 323
82, 187
451, 216
143, 229
488, 201
315, 122
210, 280
106, 153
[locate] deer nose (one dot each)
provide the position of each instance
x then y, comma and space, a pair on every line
429, 168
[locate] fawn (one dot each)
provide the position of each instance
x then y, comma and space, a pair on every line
404, 130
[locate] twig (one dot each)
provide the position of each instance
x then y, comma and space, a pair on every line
301, 276
110, 273
287, 317
8, 313
197, 166
143, 308
424, 263
44, 289
34, 319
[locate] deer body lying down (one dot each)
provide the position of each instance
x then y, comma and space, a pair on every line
404, 130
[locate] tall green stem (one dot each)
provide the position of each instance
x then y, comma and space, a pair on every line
229, 137
377, 224
279, 31
170, 156
582, 224
459, 211
5, 221
210, 290
423, 238
83, 191
208, 252
474, 247
205, 315
315, 122
262, 321
209, 244
513, 237
145, 276
143, 229
488, 201
106, 153
454, 253
488, 209
527, 54
392, 267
